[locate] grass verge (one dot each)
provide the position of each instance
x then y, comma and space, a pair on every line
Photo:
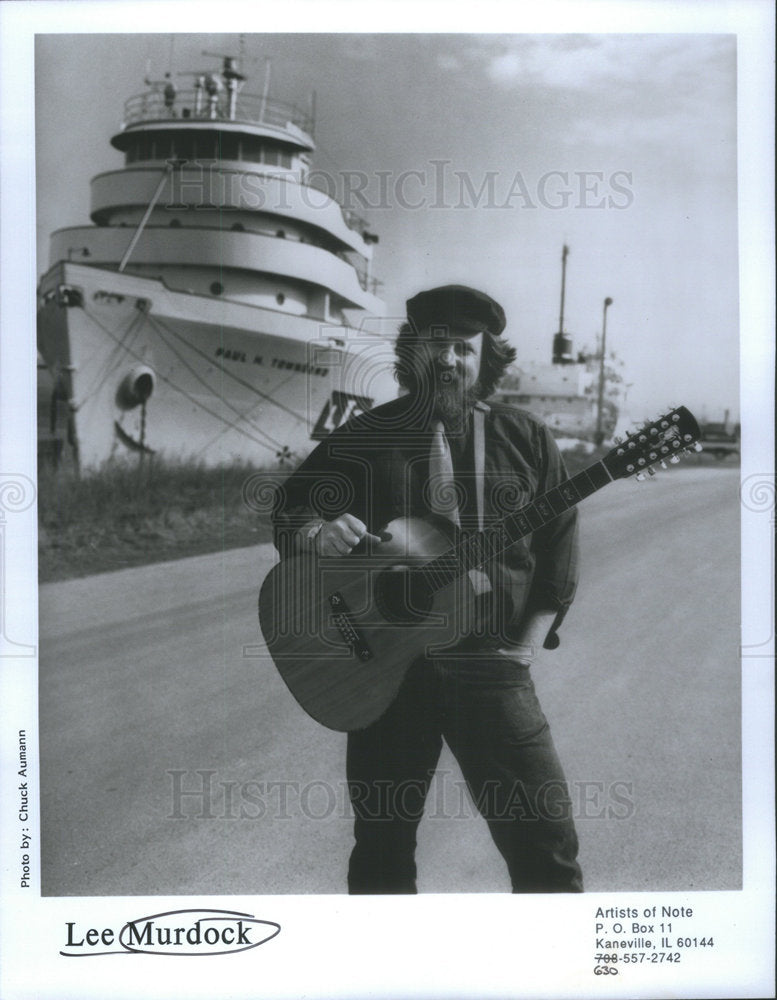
125, 515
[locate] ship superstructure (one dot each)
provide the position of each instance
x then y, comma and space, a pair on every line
566, 392
219, 305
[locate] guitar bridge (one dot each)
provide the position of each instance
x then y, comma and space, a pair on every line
349, 633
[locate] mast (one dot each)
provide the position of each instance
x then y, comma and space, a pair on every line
562, 344
564, 254
266, 89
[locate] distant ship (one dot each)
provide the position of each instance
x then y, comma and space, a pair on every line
568, 392
220, 308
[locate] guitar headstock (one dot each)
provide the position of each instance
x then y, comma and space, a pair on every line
659, 441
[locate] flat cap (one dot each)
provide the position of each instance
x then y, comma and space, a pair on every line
456, 306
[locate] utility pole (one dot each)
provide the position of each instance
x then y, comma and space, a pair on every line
599, 437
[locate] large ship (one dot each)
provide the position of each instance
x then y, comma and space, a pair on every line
219, 307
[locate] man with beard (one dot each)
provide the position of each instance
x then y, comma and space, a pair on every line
439, 451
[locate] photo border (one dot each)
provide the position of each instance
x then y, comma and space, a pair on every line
454, 945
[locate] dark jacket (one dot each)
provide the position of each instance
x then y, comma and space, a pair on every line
376, 467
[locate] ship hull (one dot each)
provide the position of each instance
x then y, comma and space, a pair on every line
141, 369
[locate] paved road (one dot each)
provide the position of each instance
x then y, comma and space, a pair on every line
153, 684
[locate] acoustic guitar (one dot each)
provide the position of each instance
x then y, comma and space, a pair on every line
344, 631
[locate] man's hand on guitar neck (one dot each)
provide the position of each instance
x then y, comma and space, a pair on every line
335, 538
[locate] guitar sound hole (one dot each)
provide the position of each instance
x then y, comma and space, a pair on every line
403, 597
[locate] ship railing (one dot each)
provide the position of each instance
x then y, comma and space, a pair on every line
352, 219
367, 282
197, 105
373, 286
354, 222
313, 322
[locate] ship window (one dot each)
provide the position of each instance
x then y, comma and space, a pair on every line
206, 147
281, 234
284, 159
216, 288
228, 147
141, 147
280, 298
270, 157
252, 150
184, 147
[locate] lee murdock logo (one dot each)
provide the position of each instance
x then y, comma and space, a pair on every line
176, 932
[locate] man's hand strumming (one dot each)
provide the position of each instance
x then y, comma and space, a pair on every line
338, 537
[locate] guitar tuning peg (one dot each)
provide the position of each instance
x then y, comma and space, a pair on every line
640, 477
651, 471
663, 464
698, 446
618, 439
674, 459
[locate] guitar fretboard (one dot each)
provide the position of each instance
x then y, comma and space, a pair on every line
477, 548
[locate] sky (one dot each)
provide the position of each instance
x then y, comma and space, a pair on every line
475, 158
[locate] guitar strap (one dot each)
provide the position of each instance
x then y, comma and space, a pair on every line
477, 577
441, 475
443, 496
479, 441
441, 467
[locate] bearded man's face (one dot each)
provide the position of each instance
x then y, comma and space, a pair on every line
454, 370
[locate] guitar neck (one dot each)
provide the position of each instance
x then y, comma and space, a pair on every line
477, 548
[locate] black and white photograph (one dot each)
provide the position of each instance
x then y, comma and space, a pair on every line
387, 535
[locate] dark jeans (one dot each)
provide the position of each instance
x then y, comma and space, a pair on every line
489, 715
